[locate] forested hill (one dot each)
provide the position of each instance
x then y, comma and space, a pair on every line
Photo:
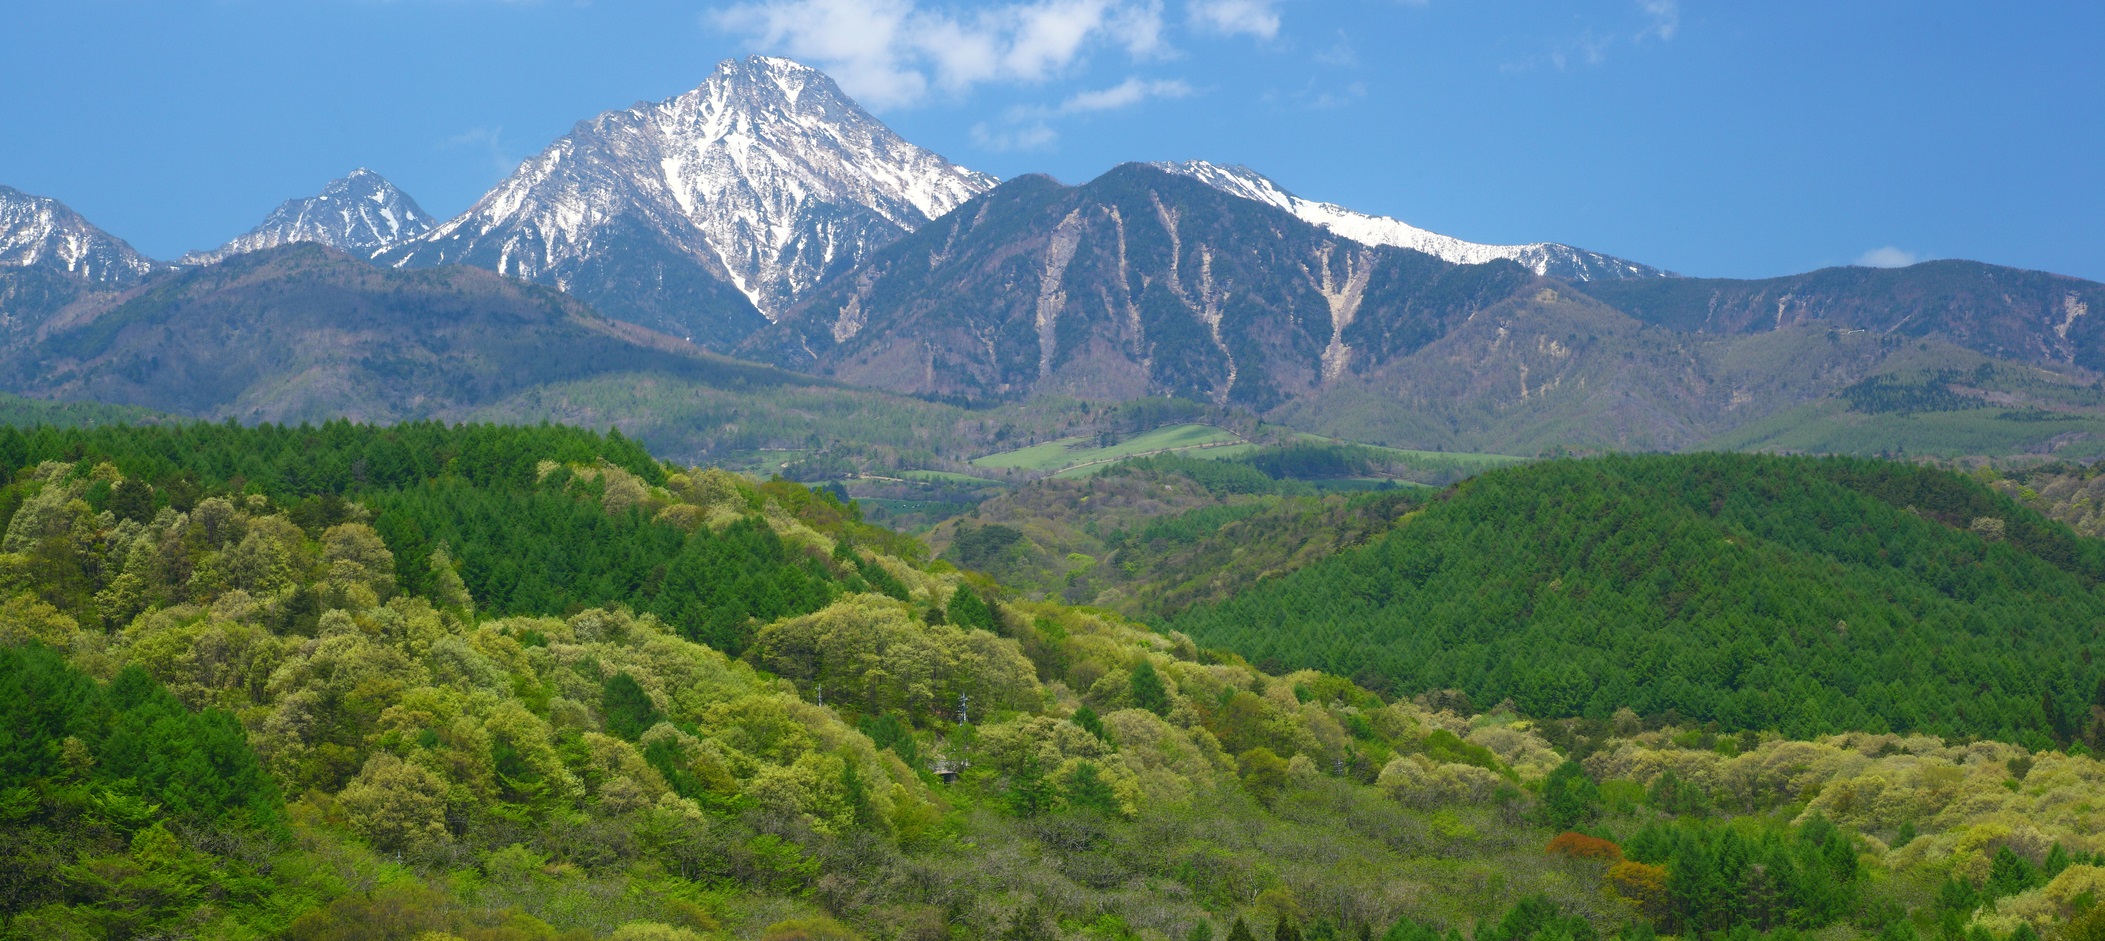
1809, 595
483, 683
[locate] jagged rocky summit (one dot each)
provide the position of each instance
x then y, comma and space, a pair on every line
708, 214
362, 214
41, 232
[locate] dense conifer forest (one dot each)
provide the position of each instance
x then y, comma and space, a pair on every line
476, 683
1807, 596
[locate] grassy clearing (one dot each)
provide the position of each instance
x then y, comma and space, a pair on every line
1213, 452
1072, 453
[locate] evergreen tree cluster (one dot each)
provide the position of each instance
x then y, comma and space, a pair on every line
1803, 595
1718, 880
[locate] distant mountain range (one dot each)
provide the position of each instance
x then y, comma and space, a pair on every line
766, 214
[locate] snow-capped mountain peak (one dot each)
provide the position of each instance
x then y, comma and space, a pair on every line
41, 231
362, 214
1544, 258
766, 179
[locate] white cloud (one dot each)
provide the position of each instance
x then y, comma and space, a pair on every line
1230, 17
895, 52
1666, 18
1125, 94
1026, 128
1887, 257
1034, 136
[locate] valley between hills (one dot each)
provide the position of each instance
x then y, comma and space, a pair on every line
743, 523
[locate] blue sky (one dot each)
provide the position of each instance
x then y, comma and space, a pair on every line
1713, 138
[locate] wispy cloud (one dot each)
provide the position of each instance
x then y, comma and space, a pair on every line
1125, 94
899, 52
1232, 17
1665, 18
1888, 257
1650, 20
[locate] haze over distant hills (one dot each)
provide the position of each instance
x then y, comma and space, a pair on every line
766, 213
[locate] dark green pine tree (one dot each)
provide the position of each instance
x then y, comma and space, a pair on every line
2009, 874
627, 707
1286, 930
1090, 722
966, 610
1569, 797
1148, 692
1030, 792
132, 499
1087, 788
1241, 931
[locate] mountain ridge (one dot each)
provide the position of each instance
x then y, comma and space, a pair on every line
1136, 283
1550, 259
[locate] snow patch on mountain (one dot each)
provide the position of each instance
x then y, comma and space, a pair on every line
767, 176
41, 231
362, 214
1544, 258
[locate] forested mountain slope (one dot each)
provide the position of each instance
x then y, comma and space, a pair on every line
1755, 592
425, 683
